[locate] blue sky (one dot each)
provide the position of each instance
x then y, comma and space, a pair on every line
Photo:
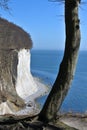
43, 20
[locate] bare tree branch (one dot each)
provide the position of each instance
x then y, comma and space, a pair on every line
4, 4
61, 1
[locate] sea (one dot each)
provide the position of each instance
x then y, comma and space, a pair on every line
45, 65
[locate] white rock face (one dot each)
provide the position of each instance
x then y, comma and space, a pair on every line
4, 109
25, 85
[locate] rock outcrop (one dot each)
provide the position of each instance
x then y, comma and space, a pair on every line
12, 39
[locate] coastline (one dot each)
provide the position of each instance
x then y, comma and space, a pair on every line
32, 106
78, 121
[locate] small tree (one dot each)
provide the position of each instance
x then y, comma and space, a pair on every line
68, 64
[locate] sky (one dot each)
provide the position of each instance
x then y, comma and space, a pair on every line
44, 21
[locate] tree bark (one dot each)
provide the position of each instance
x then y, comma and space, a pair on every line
68, 64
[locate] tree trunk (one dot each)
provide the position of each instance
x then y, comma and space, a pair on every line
68, 64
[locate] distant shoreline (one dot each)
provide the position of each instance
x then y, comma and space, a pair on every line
32, 107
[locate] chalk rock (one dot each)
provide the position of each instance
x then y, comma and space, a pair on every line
12, 39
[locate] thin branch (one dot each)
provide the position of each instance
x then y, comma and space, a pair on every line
56, 0
4, 4
60, 1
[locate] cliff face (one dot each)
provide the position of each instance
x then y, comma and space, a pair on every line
12, 39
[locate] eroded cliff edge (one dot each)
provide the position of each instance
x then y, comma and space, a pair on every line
12, 39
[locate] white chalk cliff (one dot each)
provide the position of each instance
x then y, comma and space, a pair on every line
25, 85
16, 80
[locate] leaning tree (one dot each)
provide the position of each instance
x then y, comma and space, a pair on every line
68, 64
65, 75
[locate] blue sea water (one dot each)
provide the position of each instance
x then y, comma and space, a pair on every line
45, 65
